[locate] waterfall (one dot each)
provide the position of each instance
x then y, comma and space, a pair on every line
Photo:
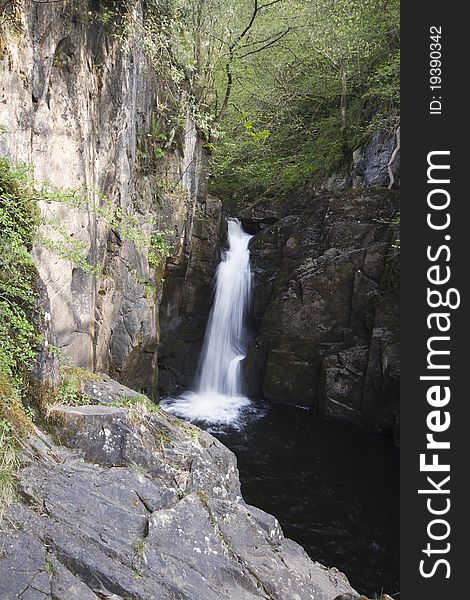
225, 340
218, 397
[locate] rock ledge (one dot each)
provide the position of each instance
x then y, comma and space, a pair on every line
123, 504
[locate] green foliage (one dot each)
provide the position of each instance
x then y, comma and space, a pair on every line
315, 94
383, 90
9, 464
152, 146
50, 568
139, 546
283, 90
384, 82
19, 219
17, 338
70, 389
281, 164
160, 247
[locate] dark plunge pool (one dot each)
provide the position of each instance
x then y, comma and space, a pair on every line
333, 487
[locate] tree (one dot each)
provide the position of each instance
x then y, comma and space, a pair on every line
314, 91
279, 85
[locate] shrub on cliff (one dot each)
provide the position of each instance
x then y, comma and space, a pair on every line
19, 219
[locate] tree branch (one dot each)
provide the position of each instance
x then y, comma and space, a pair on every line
270, 4
248, 27
256, 50
393, 158
228, 65
263, 41
236, 43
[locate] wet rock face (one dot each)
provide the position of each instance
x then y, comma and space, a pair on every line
76, 103
148, 507
326, 308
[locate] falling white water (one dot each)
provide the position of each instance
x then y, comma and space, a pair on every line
225, 340
218, 398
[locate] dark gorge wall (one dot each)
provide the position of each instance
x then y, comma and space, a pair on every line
326, 304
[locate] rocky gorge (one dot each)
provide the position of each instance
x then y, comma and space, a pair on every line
325, 316
115, 498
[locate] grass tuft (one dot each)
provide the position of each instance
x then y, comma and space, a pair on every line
139, 546
10, 448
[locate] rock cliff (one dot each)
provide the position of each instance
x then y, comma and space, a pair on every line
80, 104
326, 308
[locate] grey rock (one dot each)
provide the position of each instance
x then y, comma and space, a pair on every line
99, 430
101, 389
370, 162
164, 447
150, 511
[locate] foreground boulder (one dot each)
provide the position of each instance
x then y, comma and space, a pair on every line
135, 504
